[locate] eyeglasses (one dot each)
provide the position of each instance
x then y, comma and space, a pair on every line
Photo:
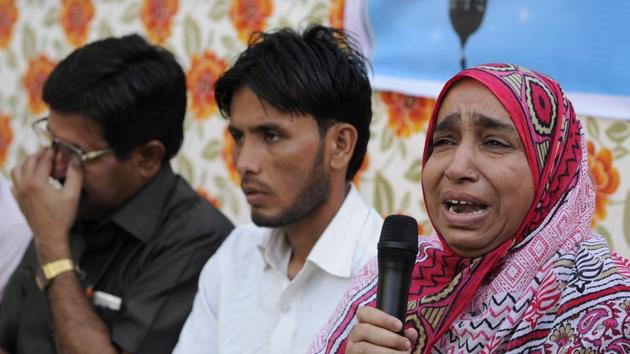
45, 138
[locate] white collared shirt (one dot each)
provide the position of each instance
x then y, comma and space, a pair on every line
246, 303
15, 234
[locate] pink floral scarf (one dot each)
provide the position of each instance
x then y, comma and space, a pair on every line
555, 287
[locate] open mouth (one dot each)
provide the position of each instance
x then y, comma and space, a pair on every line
464, 207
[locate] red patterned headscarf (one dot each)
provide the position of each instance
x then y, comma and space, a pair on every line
550, 132
553, 285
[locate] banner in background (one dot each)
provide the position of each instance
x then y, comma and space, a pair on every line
416, 45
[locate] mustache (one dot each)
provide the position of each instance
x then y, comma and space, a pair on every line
249, 183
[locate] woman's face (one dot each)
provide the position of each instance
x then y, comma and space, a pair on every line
477, 182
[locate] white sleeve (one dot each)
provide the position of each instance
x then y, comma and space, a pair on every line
15, 235
199, 334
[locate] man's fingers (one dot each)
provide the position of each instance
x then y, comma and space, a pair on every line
74, 179
41, 152
44, 164
31, 162
27, 167
23, 171
16, 177
378, 318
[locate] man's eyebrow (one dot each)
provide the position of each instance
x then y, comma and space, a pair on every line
448, 122
266, 127
487, 122
257, 128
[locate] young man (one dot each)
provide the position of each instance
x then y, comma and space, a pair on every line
119, 246
299, 109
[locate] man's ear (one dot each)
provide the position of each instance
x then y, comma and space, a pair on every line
343, 138
148, 158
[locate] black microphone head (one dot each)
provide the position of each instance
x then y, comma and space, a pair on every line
399, 239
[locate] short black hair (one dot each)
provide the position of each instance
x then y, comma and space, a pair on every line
319, 72
135, 91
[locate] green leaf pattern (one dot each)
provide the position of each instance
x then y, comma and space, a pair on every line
192, 36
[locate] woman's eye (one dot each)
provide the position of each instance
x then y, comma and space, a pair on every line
496, 143
442, 141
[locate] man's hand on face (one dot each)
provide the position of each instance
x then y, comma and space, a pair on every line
376, 333
50, 212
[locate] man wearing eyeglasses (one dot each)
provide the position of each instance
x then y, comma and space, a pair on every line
120, 240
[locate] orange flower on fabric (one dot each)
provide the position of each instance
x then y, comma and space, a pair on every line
605, 178
157, 18
8, 16
200, 78
250, 16
75, 18
364, 165
407, 114
226, 155
33, 80
206, 195
6, 137
336, 15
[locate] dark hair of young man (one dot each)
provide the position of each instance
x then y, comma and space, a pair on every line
134, 90
319, 72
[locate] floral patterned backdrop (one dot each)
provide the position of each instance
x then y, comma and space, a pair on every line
206, 36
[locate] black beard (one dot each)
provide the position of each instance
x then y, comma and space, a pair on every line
310, 198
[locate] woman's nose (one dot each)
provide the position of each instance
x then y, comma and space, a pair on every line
461, 166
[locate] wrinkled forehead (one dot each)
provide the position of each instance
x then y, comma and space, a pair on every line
468, 96
483, 97
534, 102
471, 101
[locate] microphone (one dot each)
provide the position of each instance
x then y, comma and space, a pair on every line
397, 252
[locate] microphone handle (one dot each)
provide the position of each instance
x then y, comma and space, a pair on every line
393, 288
